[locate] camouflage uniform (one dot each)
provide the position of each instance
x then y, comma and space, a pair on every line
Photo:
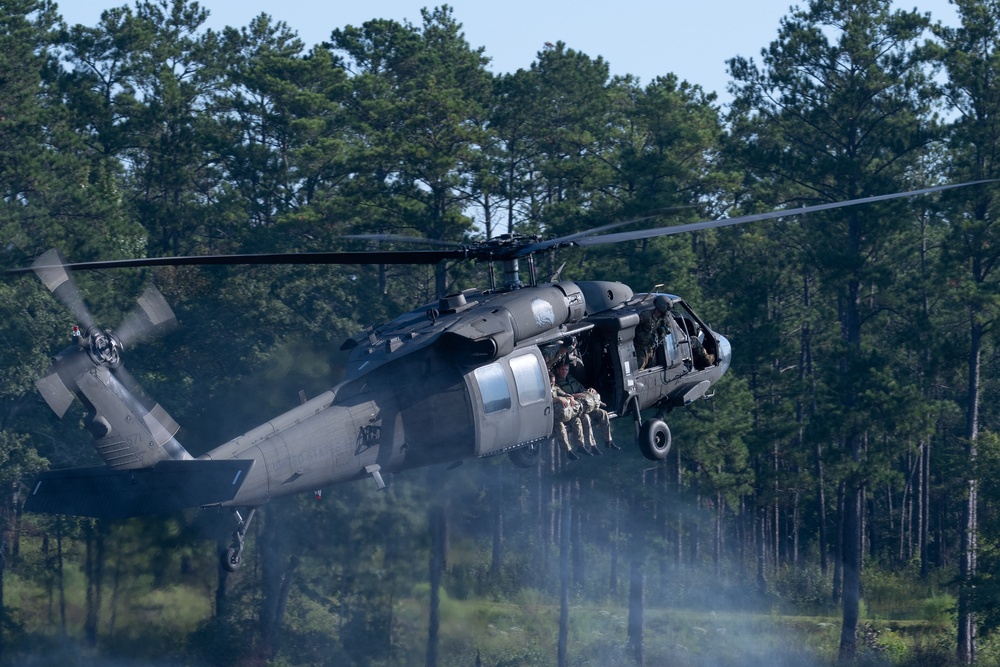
579, 424
653, 326
593, 411
702, 357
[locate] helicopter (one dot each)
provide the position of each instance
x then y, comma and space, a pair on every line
463, 377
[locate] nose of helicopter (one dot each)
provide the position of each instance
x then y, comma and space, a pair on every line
725, 353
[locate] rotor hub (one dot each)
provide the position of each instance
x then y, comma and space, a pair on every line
105, 347
502, 246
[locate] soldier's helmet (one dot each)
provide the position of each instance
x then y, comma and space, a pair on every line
662, 303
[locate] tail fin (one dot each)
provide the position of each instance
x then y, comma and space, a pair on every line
130, 431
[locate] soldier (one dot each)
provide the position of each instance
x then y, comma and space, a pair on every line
567, 412
702, 357
653, 325
564, 349
556, 351
592, 409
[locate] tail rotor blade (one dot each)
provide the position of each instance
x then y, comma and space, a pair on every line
55, 392
153, 316
51, 270
58, 384
157, 420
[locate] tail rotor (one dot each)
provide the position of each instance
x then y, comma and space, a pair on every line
129, 429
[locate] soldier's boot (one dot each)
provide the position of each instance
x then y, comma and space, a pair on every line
581, 448
606, 434
562, 439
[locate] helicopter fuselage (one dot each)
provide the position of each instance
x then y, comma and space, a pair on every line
462, 378
467, 378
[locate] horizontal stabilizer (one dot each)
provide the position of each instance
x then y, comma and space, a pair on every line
168, 486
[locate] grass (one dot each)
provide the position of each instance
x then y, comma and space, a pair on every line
525, 632
906, 622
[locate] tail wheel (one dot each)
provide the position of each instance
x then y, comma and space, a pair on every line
231, 558
654, 440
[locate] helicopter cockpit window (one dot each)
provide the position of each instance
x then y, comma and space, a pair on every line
685, 319
531, 385
670, 347
493, 387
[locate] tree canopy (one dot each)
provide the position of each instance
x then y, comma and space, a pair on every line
852, 445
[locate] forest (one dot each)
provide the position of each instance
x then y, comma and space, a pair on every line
833, 503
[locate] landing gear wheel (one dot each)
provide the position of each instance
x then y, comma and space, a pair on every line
525, 457
231, 559
654, 440
232, 556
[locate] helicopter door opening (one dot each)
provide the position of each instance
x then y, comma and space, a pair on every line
703, 347
515, 400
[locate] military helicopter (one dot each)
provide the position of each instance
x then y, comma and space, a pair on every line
465, 376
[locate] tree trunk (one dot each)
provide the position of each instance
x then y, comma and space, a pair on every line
761, 532
438, 556
496, 515
719, 532
221, 607
579, 562
18, 508
852, 564
679, 482
838, 562
925, 508
95, 576
278, 569
795, 526
637, 580
636, 609
60, 575
967, 567
613, 583
564, 576
116, 589
821, 506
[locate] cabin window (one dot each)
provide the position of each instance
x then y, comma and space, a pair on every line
531, 384
493, 387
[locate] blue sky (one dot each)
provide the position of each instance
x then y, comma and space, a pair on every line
645, 38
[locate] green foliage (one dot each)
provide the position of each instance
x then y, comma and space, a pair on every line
802, 587
863, 339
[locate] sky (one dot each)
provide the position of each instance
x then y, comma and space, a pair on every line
645, 38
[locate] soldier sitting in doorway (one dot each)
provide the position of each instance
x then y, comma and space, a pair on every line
566, 411
591, 407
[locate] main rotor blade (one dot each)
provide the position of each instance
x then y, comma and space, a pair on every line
51, 269
726, 222
570, 238
366, 257
402, 239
